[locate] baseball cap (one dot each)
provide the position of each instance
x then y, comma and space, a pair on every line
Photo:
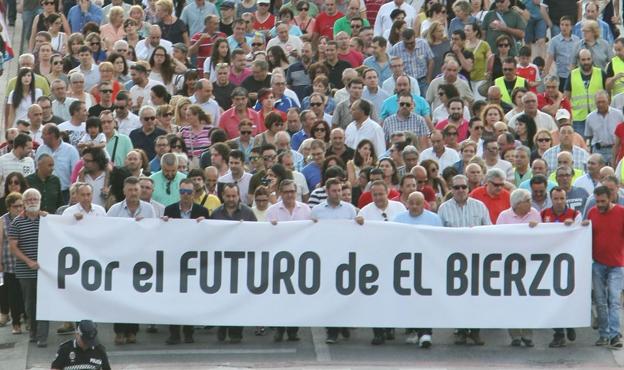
561, 114
88, 332
263, 2
181, 46
227, 4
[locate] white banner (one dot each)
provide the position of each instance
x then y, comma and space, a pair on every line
330, 273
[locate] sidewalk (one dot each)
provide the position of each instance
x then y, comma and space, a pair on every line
10, 71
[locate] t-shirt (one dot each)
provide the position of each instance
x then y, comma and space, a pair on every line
425, 218
173, 32
495, 205
576, 198
325, 24
75, 132
26, 231
608, 236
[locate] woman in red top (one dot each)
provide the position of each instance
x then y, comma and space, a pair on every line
266, 104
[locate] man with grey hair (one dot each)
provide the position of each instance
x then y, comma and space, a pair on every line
600, 126
292, 45
410, 157
204, 97
337, 145
145, 136
145, 48
282, 143
576, 197
493, 194
463, 211
522, 171
283, 102
167, 180
520, 212
591, 179
551, 100
543, 121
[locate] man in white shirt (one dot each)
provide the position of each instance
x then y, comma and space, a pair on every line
383, 21
491, 150
88, 68
288, 209
381, 209
236, 174
75, 126
60, 102
543, 121
126, 120
145, 48
140, 92
363, 127
18, 159
292, 45
204, 98
85, 206
444, 157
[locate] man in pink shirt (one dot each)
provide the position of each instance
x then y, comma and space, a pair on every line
230, 118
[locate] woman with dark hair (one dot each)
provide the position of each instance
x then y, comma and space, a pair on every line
433, 177
266, 104
57, 70
274, 175
504, 49
320, 130
54, 26
320, 84
481, 51
220, 54
188, 83
197, 134
176, 144
120, 67
305, 22
22, 97
391, 175
39, 23
277, 58
15, 183
445, 93
159, 95
395, 32
162, 67
526, 130
74, 43
364, 156
131, 30
274, 123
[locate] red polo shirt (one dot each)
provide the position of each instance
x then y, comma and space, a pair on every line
367, 197
325, 24
495, 205
608, 236
543, 100
205, 48
229, 122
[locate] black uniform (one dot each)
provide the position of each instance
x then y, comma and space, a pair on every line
71, 356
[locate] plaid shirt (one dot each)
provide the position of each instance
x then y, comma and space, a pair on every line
414, 123
8, 260
415, 62
579, 156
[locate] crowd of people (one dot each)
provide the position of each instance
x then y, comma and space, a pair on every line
444, 113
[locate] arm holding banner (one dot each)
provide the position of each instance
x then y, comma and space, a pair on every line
18, 253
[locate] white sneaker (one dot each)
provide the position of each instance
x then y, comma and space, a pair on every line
412, 339
425, 341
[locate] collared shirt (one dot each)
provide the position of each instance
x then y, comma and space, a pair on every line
376, 98
119, 145
242, 213
342, 114
145, 141
96, 210
205, 47
166, 191
61, 109
279, 212
370, 130
77, 18
579, 157
543, 121
343, 211
373, 213
312, 173
50, 189
65, 158
389, 84
416, 62
586, 182
519, 179
447, 159
541, 206
243, 183
383, 22
562, 49
121, 209
229, 122
126, 125
210, 107
472, 213
414, 124
601, 52
509, 216
298, 138
193, 15
391, 106
383, 71
601, 128
91, 76
605, 31
144, 49
432, 92
97, 184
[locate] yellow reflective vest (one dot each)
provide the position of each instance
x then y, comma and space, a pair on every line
581, 97
617, 64
500, 83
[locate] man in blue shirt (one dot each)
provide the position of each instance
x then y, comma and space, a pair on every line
416, 213
312, 171
82, 13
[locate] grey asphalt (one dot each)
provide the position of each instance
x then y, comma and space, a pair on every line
311, 352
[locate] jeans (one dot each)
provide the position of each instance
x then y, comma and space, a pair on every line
38, 329
11, 298
579, 127
535, 30
28, 16
12, 10
423, 85
607, 284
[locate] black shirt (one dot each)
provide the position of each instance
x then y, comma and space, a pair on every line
146, 142
70, 355
335, 73
173, 32
228, 29
95, 110
54, 119
346, 156
243, 213
223, 95
251, 85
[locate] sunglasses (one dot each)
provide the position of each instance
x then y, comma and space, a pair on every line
441, 94
263, 4
453, 133
458, 187
106, 91
186, 191
304, 9
119, 107
58, 62
319, 129
245, 133
385, 216
508, 69
543, 140
405, 104
178, 146
151, 118
254, 158
168, 114
503, 45
95, 43
316, 104
257, 44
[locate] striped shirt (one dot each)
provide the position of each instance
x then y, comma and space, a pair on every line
414, 124
579, 157
10, 163
26, 231
473, 213
417, 61
196, 144
317, 196
8, 260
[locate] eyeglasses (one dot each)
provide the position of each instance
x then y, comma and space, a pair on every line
94, 43
107, 91
245, 132
405, 104
257, 44
77, 82
319, 129
159, 55
544, 140
452, 133
186, 191
316, 104
254, 158
120, 107
150, 118
508, 69
503, 45
258, 200
460, 187
168, 114
497, 184
57, 62
356, 26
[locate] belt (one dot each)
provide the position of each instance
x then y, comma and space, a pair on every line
600, 146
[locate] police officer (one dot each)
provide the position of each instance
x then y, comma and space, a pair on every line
82, 352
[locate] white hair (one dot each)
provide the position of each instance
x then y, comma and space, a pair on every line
518, 196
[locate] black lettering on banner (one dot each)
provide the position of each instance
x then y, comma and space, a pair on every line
539, 275
234, 257
515, 278
63, 268
160, 266
316, 273
570, 282
97, 275
349, 269
398, 274
286, 275
474, 275
203, 272
369, 273
142, 272
251, 272
108, 275
418, 287
185, 270
458, 272
489, 274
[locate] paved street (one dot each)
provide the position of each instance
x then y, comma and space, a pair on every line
312, 353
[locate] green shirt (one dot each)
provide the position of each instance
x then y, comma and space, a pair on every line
50, 189
313, 12
512, 20
124, 146
40, 83
166, 192
344, 24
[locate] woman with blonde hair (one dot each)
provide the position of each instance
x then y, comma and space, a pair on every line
164, 118
181, 107
107, 74
137, 14
94, 42
114, 29
173, 29
600, 50
74, 42
39, 24
439, 44
491, 114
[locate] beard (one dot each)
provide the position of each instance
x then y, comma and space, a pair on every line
33, 209
455, 116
